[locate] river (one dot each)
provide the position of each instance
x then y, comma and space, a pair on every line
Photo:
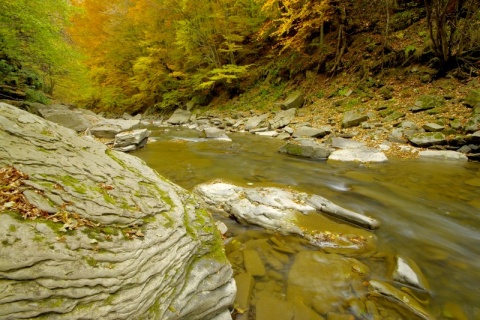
429, 210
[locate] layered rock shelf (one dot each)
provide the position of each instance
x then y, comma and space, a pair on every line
101, 235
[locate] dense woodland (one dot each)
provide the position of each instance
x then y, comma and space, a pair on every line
155, 55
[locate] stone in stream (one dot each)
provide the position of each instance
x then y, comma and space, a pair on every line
407, 272
215, 134
290, 212
269, 308
306, 148
253, 263
443, 155
131, 140
116, 240
351, 150
324, 281
245, 284
358, 155
390, 297
109, 128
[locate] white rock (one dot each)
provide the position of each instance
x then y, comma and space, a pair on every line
443, 155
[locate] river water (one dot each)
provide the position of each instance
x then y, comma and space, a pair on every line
429, 210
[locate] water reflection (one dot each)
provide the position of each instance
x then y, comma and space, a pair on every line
430, 211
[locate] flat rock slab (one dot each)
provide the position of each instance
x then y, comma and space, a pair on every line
443, 155
427, 139
307, 149
342, 143
353, 118
433, 127
109, 128
310, 132
120, 241
363, 155
65, 117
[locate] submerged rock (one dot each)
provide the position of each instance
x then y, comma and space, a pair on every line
391, 297
106, 238
324, 280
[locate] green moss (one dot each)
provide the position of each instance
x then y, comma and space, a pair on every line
38, 238
73, 183
110, 231
294, 149
47, 132
57, 227
91, 262
93, 233
122, 163
149, 219
42, 149
170, 222
108, 198
12, 228
155, 309
155, 191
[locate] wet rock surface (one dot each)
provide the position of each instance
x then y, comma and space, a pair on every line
131, 140
111, 239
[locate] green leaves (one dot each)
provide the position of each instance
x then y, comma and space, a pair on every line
225, 74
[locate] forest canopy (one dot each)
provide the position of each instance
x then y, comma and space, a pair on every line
135, 55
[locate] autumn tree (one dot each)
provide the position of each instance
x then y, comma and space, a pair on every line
33, 34
145, 53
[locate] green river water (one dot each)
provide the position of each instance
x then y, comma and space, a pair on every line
429, 210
